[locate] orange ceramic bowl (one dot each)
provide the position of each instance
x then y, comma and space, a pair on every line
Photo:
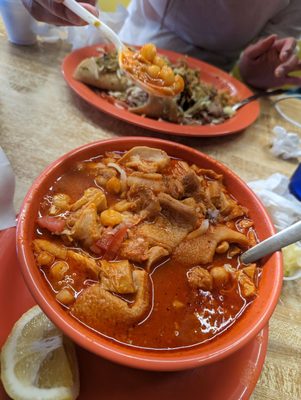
254, 319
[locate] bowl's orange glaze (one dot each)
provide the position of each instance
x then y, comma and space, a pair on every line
246, 328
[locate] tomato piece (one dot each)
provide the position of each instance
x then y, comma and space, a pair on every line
109, 244
53, 224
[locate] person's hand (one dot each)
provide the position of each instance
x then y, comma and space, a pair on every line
53, 12
266, 64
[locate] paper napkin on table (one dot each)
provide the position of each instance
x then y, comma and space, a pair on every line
7, 190
284, 210
283, 207
285, 144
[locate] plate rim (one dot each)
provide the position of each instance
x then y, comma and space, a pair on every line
246, 115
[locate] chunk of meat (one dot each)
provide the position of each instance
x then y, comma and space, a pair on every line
193, 186
174, 177
154, 255
246, 284
145, 159
94, 196
181, 213
52, 224
117, 276
244, 278
60, 252
250, 270
201, 250
135, 249
145, 202
214, 192
230, 209
161, 232
87, 228
96, 305
200, 278
209, 173
153, 181
85, 262
60, 203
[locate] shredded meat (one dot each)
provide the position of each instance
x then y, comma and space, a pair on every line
145, 202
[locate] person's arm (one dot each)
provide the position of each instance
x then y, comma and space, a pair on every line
54, 12
268, 62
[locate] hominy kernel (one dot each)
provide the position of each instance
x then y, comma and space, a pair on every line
113, 185
148, 51
65, 296
58, 270
110, 218
45, 258
222, 247
167, 75
153, 71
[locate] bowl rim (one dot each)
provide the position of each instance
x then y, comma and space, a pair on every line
106, 349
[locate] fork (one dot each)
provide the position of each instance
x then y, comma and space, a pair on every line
275, 92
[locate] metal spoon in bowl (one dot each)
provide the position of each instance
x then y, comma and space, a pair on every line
268, 93
287, 236
121, 48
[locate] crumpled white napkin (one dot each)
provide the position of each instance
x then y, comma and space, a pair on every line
283, 207
7, 190
285, 144
82, 36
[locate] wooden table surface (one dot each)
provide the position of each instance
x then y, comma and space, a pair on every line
41, 119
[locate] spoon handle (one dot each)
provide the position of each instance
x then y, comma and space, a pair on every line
276, 242
93, 20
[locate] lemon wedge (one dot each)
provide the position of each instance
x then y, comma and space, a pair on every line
292, 259
38, 362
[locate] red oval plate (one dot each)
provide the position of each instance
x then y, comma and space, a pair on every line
241, 120
233, 378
